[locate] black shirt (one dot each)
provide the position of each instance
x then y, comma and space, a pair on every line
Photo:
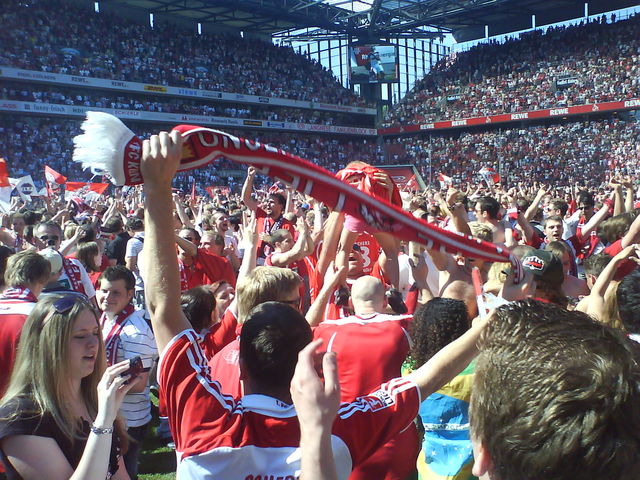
116, 248
29, 422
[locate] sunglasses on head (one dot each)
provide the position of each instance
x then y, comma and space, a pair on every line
64, 304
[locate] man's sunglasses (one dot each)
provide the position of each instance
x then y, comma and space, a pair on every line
44, 238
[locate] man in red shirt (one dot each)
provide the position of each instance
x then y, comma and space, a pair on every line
197, 265
371, 348
258, 436
26, 275
270, 216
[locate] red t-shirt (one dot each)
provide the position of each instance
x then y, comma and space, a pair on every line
220, 335
625, 267
225, 367
266, 225
371, 349
206, 269
13, 314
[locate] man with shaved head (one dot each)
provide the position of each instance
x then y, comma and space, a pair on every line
371, 347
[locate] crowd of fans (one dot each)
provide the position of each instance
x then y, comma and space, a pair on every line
76, 41
601, 60
258, 280
146, 103
561, 153
402, 336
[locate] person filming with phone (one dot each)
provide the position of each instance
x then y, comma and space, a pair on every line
58, 416
127, 336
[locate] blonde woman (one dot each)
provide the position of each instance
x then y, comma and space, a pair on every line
58, 415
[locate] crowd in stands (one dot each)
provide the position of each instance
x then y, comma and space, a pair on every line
560, 153
601, 59
31, 143
102, 99
76, 41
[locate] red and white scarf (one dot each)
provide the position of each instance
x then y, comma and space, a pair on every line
19, 293
112, 340
74, 275
109, 145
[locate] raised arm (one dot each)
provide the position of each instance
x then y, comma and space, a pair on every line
182, 213
595, 220
160, 159
317, 405
533, 208
299, 249
449, 361
247, 190
595, 305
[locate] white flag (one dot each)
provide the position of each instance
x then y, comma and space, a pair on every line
24, 186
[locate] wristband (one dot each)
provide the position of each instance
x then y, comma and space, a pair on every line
101, 431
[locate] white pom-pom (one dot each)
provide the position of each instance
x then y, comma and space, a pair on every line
102, 145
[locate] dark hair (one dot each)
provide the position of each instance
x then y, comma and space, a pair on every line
585, 198
88, 234
112, 225
436, 324
271, 338
489, 205
5, 253
595, 264
194, 231
556, 396
31, 217
628, 297
197, 305
559, 204
119, 272
280, 198
135, 224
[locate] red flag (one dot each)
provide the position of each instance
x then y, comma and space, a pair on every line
54, 177
82, 188
489, 175
4, 175
444, 181
412, 184
53, 180
276, 188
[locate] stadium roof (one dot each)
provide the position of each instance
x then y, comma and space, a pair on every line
372, 19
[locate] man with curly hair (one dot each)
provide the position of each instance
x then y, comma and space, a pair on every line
556, 395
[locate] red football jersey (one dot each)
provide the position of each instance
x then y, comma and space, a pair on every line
13, 314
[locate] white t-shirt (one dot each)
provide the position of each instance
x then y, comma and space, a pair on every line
136, 339
134, 247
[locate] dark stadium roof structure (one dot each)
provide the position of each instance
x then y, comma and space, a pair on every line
372, 19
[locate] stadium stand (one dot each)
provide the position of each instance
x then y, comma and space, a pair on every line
564, 66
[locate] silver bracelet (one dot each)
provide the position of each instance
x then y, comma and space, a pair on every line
101, 431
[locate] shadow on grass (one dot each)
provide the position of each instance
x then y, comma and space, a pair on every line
157, 461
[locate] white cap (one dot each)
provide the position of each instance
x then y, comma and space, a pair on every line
54, 257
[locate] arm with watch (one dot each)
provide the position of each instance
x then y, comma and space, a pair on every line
36, 456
